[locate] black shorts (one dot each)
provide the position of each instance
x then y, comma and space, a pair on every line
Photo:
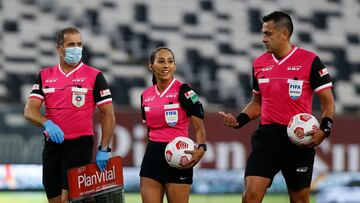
272, 151
154, 166
58, 158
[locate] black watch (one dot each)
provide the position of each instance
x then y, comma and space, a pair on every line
204, 146
104, 149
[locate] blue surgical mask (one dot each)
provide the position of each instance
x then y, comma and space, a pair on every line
73, 55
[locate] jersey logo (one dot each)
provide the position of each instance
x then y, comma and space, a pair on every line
323, 72
192, 95
295, 88
104, 93
78, 96
35, 87
171, 95
148, 99
295, 68
79, 80
51, 80
171, 117
267, 68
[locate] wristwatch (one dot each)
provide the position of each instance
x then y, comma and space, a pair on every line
104, 149
204, 146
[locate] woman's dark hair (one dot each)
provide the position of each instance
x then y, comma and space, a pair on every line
280, 18
152, 59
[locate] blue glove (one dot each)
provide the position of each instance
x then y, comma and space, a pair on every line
102, 158
54, 131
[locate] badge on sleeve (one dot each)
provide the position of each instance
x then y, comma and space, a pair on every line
78, 96
295, 88
192, 95
171, 117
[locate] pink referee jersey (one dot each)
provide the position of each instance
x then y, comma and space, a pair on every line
164, 112
70, 98
287, 85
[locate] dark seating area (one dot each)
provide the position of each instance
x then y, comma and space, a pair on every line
214, 42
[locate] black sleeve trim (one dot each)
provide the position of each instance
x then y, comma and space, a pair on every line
255, 82
37, 87
142, 109
101, 89
189, 100
318, 74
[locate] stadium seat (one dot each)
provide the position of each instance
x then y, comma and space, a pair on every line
119, 36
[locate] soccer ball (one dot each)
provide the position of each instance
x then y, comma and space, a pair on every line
300, 125
175, 151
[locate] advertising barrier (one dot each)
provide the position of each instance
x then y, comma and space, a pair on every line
87, 181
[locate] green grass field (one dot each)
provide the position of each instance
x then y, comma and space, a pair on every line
39, 197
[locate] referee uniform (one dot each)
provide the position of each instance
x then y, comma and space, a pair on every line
166, 115
286, 87
70, 100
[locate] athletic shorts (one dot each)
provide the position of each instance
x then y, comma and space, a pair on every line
58, 158
154, 166
272, 151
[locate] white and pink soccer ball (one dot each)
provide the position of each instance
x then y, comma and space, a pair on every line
299, 125
175, 151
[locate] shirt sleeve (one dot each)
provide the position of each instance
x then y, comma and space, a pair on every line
256, 89
102, 93
319, 76
189, 100
142, 110
36, 91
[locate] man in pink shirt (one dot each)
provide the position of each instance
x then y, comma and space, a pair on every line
284, 81
70, 91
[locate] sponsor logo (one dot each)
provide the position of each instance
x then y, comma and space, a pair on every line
294, 68
267, 68
192, 95
79, 79
98, 177
172, 95
51, 80
35, 87
104, 93
171, 117
323, 72
147, 99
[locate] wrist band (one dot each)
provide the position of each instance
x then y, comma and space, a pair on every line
242, 119
325, 125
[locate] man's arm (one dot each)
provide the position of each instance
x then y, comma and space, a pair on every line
327, 112
253, 109
107, 123
32, 112
327, 103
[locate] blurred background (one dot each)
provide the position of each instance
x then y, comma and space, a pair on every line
214, 42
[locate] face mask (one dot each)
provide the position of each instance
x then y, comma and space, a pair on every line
73, 55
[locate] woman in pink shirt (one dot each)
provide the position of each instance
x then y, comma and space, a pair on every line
167, 107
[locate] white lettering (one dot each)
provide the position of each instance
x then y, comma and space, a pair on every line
87, 181
353, 157
223, 150
338, 157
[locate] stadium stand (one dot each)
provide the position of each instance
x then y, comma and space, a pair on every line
214, 41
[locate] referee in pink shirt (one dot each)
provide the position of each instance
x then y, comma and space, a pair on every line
168, 107
284, 81
70, 91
